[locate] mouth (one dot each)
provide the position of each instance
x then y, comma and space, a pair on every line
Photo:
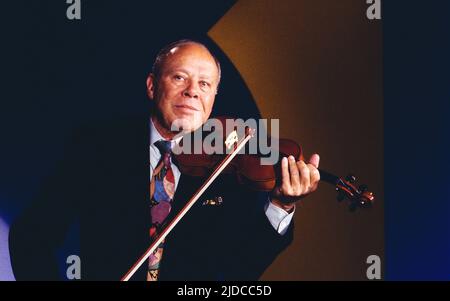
186, 107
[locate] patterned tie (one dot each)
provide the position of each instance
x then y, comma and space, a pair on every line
162, 189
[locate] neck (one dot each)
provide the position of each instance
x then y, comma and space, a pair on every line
162, 130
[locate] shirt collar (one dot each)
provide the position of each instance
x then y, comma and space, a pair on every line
156, 136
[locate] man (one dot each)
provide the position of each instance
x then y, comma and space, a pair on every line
107, 189
183, 86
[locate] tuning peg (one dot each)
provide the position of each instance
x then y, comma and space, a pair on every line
363, 188
364, 203
351, 178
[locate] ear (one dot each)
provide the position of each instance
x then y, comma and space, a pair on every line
151, 83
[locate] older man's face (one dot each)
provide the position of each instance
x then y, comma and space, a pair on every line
186, 89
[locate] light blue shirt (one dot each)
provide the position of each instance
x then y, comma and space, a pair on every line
278, 218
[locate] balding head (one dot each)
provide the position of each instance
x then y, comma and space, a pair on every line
174, 47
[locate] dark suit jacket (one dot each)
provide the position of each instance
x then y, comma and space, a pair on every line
103, 184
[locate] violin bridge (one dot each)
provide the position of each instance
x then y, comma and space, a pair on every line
232, 138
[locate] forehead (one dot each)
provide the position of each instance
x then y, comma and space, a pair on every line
192, 58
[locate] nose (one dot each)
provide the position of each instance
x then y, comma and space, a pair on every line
191, 91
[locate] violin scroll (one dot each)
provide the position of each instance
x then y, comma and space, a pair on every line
359, 197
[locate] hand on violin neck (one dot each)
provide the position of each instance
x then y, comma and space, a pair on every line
298, 179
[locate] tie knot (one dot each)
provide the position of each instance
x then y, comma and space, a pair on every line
165, 147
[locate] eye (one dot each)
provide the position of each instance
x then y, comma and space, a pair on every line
178, 77
204, 84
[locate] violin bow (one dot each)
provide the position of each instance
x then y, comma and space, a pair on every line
159, 239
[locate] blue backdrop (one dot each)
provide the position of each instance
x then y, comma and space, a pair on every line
417, 107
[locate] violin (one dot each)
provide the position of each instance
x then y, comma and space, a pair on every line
248, 170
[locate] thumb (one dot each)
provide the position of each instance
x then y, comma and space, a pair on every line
314, 160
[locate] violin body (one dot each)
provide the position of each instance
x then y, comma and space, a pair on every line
246, 167
250, 172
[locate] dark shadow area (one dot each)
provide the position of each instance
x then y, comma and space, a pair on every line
67, 83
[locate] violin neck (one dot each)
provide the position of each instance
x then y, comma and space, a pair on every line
328, 177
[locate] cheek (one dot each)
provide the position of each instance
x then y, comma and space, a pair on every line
165, 97
164, 105
208, 104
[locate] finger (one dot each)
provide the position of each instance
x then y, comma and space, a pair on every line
295, 175
314, 160
304, 177
314, 177
285, 177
